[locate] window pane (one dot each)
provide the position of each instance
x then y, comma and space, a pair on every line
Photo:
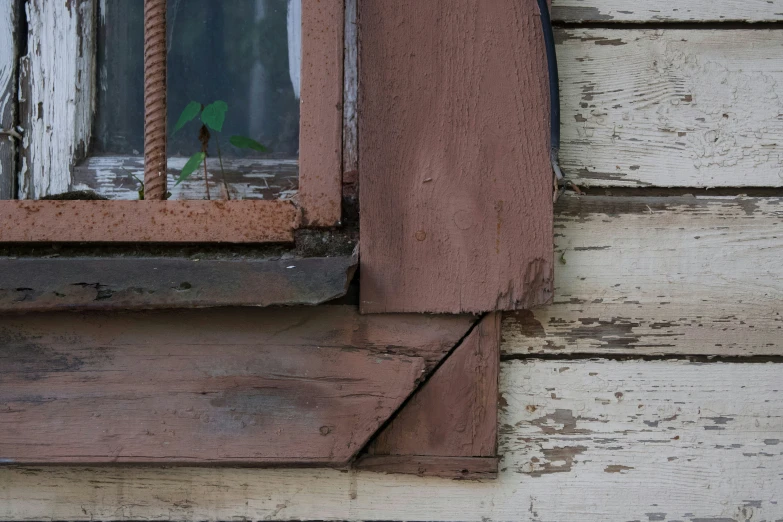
244, 52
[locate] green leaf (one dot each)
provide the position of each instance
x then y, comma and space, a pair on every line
243, 142
190, 167
188, 115
214, 115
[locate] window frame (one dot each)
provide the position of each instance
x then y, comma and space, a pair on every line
57, 88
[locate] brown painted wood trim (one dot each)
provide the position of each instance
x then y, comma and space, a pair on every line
461, 468
455, 179
122, 283
321, 117
455, 413
292, 386
148, 221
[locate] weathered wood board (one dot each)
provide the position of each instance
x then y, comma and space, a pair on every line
8, 98
672, 108
297, 386
581, 440
455, 177
116, 177
667, 11
454, 414
33, 284
674, 275
57, 92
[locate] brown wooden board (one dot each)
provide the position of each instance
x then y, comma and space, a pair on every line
302, 386
455, 176
128, 283
454, 414
148, 221
321, 120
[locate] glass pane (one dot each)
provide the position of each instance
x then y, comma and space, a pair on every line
244, 52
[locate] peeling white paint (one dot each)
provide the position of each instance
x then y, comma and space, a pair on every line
672, 107
667, 10
686, 275
7, 90
57, 89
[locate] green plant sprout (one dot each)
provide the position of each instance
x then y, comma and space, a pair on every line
213, 116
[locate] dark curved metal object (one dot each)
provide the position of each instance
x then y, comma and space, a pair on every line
554, 83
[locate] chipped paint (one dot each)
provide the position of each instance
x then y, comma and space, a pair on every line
666, 11
688, 284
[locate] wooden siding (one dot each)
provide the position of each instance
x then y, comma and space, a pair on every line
662, 11
672, 107
580, 440
664, 275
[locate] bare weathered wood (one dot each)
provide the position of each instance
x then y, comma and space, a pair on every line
673, 275
321, 119
131, 221
454, 414
667, 11
116, 177
9, 135
286, 386
580, 440
57, 93
455, 179
672, 108
124, 283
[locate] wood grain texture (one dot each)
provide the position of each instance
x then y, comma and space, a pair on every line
455, 180
148, 221
215, 387
667, 11
457, 468
8, 98
672, 275
455, 413
580, 440
57, 93
128, 283
672, 108
321, 119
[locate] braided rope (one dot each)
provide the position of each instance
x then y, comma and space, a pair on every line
154, 99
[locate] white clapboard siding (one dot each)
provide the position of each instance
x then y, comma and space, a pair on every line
667, 10
676, 275
581, 440
691, 108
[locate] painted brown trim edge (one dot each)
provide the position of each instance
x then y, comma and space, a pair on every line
321, 117
148, 221
460, 468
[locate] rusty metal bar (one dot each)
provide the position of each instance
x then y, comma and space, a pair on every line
155, 99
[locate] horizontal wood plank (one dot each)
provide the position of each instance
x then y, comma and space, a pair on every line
148, 221
678, 275
138, 283
580, 440
672, 108
294, 386
646, 11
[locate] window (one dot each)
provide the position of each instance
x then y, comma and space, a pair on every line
79, 107
245, 52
